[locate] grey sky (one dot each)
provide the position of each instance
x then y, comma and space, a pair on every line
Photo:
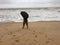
19, 1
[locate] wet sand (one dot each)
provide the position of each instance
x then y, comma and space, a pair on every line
39, 33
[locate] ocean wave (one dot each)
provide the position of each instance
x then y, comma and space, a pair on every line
13, 15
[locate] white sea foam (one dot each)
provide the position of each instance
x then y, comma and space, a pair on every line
37, 14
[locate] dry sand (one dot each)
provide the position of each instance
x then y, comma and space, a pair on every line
39, 33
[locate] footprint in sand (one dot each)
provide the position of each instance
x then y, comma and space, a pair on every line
14, 35
41, 33
10, 33
2, 36
0, 41
35, 40
35, 36
49, 40
16, 40
33, 33
18, 30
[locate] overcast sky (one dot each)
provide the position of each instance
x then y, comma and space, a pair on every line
28, 3
19, 1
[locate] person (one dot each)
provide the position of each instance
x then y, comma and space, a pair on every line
25, 16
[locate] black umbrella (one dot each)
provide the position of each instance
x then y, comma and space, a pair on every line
24, 14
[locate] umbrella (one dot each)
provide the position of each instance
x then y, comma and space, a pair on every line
24, 14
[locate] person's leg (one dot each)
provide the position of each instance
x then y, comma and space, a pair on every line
27, 23
23, 23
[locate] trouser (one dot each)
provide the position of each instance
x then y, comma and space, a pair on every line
25, 21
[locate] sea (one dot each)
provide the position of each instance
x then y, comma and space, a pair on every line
35, 14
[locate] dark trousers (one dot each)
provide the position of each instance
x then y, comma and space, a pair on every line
25, 21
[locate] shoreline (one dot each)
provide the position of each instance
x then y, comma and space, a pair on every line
29, 22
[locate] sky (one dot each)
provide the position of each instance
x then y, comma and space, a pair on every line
12, 3
26, 1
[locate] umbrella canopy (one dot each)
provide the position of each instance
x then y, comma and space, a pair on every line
24, 14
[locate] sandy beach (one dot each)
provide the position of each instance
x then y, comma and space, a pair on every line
39, 33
